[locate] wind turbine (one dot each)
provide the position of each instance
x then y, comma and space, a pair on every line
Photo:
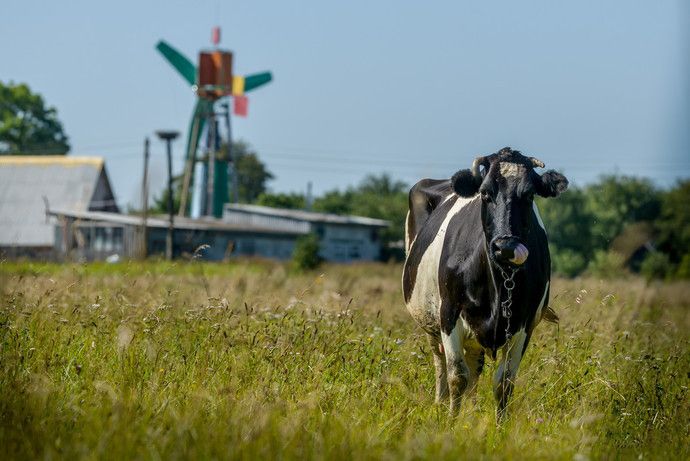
211, 80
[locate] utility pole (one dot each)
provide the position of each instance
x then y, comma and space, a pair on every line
168, 137
145, 201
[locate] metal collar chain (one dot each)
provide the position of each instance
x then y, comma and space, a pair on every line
509, 285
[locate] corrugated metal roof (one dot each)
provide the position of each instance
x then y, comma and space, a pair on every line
65, 182
302, 215
61, 160
161, 221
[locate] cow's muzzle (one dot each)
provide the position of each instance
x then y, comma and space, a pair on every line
507, 250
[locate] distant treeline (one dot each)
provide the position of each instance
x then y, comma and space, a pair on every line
620, 222
617, 223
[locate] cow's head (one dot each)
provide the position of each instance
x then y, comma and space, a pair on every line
507, 183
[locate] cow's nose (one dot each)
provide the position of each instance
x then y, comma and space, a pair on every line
509, 249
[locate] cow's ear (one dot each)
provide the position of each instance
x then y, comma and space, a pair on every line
464, 183
551, 184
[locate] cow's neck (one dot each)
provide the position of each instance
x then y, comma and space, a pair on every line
498, 294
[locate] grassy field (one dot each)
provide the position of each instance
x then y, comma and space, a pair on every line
246, 361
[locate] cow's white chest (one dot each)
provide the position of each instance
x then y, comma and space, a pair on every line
425, 301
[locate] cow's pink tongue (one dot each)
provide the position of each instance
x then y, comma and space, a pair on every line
520, 254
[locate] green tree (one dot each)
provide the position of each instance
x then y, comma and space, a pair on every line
251, 172
335, 202
568, 222
583, 223
616, 201
381, 185
27, 126
606, 265
306, 253
381, 197
566, 262
292, 201
656, 266
683, 271
673, 224
160, 202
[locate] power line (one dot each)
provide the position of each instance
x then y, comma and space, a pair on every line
358, 162
342, 165
317, 154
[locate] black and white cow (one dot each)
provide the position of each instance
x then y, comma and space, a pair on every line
478, 269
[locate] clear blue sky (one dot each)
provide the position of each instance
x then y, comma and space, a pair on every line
416, 89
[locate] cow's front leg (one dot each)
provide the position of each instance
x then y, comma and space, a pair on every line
504, 377
440, 368
456, 368
474, 358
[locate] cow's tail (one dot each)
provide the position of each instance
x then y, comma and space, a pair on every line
549, 315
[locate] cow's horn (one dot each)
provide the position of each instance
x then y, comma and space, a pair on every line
537, 163
475, 167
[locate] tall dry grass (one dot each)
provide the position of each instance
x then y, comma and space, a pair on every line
247, 361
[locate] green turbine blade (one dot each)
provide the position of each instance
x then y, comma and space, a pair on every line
256, 80
183, 65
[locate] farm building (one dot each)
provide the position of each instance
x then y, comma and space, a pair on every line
244, 230
29, 185
61, 207
89, 236
341, 238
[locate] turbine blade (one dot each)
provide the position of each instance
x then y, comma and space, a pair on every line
256, 80
183, 65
